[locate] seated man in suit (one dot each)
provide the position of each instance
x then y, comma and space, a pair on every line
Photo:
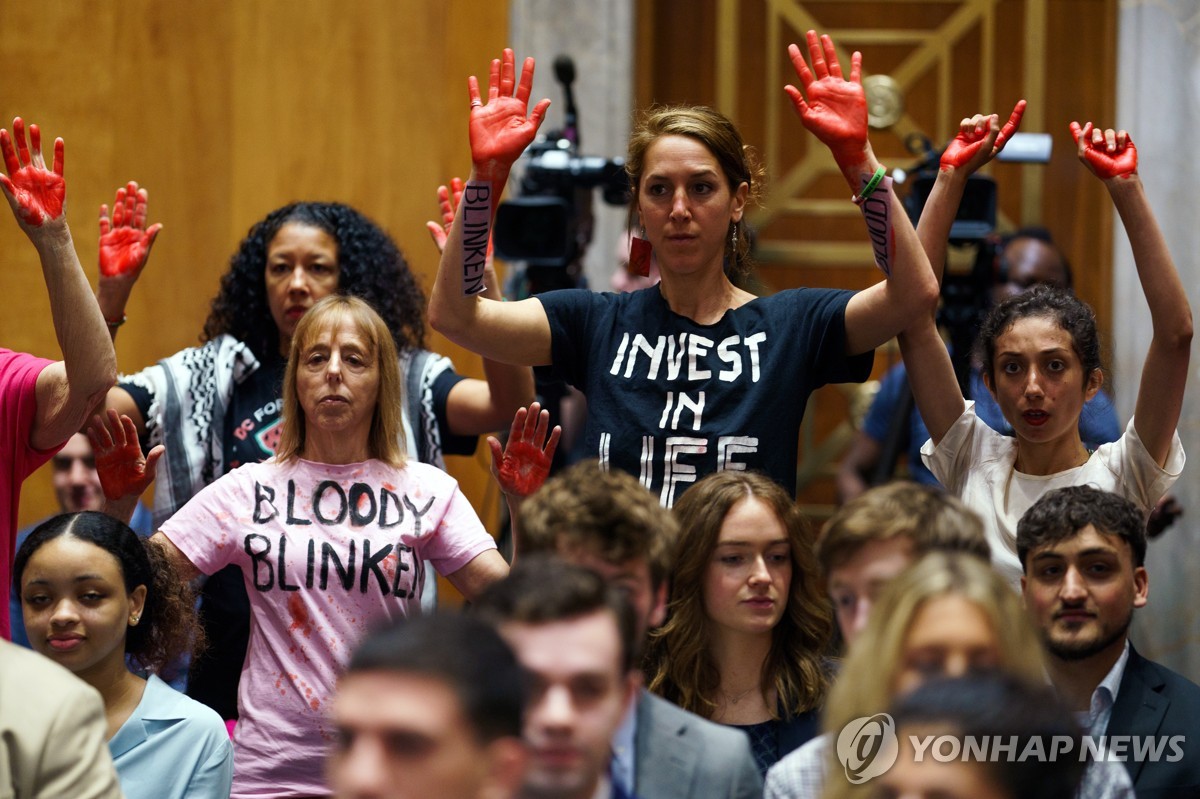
1083, 554
575, 636
610, 523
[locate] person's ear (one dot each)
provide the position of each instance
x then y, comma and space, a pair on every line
658, 610
739, 201
1141, 587
137, 604
987, 381
508, 758
1094, 382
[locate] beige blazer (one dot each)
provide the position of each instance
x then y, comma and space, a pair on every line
51, 732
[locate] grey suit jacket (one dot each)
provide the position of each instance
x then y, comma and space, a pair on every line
678, 755
1155, 701
51, 732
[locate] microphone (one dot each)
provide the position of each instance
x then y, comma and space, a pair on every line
564, 71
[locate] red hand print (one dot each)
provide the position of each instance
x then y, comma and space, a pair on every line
38, 193
119, 463
524, 464
500, 130
125, 240
978, 142
836, 109
1108, 153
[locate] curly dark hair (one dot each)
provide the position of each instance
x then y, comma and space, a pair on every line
1071, 313
168, 626
370, 265
1060, 514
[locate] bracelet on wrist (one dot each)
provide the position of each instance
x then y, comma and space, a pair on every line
869, 189
113, 324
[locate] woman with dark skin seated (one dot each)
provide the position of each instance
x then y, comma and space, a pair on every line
217, 406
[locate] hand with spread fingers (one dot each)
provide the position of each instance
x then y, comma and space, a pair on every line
980, 138
503, 127
36, 194
124, 472
125, 241
835, 110
523, 464
1110, 154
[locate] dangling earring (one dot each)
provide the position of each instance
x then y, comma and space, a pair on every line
733, 240
639, 255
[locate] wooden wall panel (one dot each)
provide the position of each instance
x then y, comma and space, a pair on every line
224, 111
953, 58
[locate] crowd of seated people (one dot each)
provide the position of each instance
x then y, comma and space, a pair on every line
669, 623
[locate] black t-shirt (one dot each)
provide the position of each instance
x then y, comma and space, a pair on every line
670, 400
253, 420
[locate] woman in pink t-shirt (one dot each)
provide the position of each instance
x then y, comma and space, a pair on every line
331, 536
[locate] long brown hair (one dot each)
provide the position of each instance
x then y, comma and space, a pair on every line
680, 666
386, 440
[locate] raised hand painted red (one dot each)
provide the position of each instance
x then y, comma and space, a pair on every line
125, 240
500, 130
38, 192
524, 468
836, 109
524, 464
1108, 153
978, 142
122, 470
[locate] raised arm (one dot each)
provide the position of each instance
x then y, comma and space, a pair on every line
125, 244
69, 389
1112, 157
835, 111
978, 141
481, 406
930, 370
510, 332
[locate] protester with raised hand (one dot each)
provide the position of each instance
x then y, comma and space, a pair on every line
42, 402
1041, 359
695, 375
330, 537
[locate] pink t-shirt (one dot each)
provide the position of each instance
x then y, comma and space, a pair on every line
327, 553
18, 408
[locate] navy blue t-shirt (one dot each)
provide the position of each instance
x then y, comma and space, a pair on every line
670, 400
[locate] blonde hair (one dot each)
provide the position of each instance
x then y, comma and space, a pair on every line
680, 665
386, 441
866, 683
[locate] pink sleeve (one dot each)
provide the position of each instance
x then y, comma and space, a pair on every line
458, 538
18, 409
206, 528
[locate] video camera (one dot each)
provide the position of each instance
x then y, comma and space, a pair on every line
549, 224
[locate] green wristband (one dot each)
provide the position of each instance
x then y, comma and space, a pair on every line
869, 189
